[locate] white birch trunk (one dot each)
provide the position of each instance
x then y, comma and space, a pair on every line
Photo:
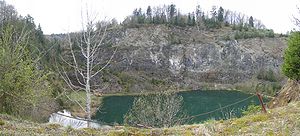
88, 87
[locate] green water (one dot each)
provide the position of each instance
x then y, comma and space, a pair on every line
195, 102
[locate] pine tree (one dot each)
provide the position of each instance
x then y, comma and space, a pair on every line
251, 21
193, 19
189, 22
149, 14
172, 13
220, 14
140, 16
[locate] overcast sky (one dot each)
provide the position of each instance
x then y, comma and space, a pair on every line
59, 16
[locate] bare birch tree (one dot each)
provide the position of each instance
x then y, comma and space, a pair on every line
296, 19
164, 109
85, 63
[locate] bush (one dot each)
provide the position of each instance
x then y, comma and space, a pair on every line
291, 65
211, 23
227, 37
269, 88
1, 122
270, 33
245, 33
268, 75
126, 81
251, 109
157, 82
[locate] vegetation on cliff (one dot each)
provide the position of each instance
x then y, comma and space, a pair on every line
217, 18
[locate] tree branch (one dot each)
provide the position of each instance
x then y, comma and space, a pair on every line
76, 69
67, 79
107, 63
74, 101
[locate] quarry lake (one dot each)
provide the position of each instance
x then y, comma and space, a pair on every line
208, 103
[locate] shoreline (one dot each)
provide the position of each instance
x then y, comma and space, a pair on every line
178, 91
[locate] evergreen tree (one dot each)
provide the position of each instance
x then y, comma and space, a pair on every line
251, 21
157, 15
140, 16
172, 13
40, 35
193, 19
181, 20
291, 65
189, 22
220, 14
163, 17
149, 14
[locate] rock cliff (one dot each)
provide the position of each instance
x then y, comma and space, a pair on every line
160, 57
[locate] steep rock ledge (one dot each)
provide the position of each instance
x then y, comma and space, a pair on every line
162, 57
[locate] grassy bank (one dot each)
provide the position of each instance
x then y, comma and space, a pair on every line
279, 121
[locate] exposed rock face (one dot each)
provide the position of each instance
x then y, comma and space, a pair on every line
156, 56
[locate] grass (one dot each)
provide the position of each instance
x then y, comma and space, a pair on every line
279, 121
2, 122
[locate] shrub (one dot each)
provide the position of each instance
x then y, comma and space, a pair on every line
251, 109
237, 35
291, 65
211, 23
227, 37
157, 82
270, 33
245, 33
268, 75
126, 81
1, 122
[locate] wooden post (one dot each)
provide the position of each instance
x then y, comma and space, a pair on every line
261, 102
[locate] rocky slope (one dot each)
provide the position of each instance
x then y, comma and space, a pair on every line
289, 93
166, 57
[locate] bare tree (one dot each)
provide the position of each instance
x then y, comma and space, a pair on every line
296, 18
226, 16
85, 62
156, 110
199, 18
258, 24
